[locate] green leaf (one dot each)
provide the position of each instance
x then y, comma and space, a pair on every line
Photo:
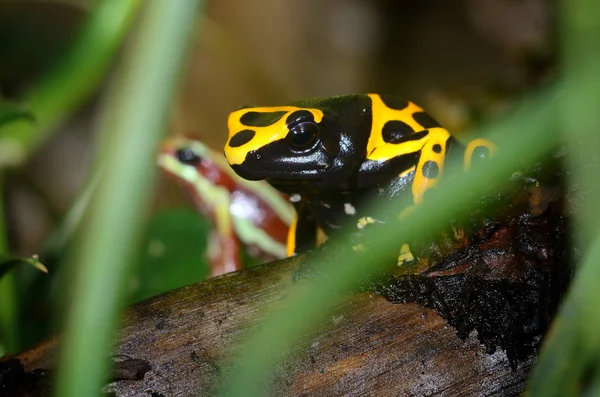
131, 126
8, 262
175, 253
10, 112
72, 79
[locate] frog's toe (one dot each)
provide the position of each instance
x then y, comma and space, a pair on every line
405, 256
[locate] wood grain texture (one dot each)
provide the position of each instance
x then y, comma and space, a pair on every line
367, 346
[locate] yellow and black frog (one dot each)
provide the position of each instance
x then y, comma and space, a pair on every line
332, 156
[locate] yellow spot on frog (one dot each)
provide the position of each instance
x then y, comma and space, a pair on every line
405, 255
364, 221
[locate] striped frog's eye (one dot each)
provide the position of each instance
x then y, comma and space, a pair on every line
304, 135
187, 156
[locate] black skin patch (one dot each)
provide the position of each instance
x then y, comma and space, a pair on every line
437, 148
425, 120
395, 131
407, 138
187, 156
481, 153
306, 228
299, 115
393, 102
261, 119
241, 138
430, 170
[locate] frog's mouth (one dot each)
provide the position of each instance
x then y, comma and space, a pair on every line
280, 176
283, 168
285, 182
289, 187
249, 174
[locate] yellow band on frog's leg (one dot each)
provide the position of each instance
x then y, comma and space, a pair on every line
405, 255
431, 163
224, 245
364, 221
223, 221
321, 236
291, 238
472, 146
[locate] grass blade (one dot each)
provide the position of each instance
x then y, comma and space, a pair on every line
134, 123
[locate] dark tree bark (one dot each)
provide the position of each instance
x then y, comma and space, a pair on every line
368, 346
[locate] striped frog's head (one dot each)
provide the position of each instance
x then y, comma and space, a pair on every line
324, 141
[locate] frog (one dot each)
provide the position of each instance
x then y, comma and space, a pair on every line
332, 156
243, 215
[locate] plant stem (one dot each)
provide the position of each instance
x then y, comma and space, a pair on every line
8, 293
67, 85
133, 125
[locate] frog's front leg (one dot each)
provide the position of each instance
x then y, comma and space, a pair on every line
223, 253
223, 244
404, 255
302, 234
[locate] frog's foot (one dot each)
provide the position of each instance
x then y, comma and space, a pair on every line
519, 176
405, 256
364, 221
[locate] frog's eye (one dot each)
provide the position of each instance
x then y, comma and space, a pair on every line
304, 135
187, 156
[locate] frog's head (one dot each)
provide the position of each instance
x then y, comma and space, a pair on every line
193, 164
308, 141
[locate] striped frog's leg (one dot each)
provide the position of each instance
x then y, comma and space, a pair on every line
222, 252
302, 235
223, 245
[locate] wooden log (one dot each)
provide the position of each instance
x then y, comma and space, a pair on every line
497, 285
368, 346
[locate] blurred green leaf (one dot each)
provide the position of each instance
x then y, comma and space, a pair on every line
10, 112
568, 363
174, 257
106, 254
11, 335
71, 81
569, 358
7, 263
